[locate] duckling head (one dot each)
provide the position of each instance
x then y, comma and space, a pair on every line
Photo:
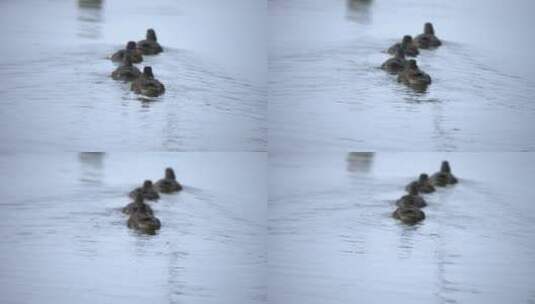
147, 72
428, 29
169, 173
445, 167
423, 178
147, 184
131, 45
151, 35
411, 65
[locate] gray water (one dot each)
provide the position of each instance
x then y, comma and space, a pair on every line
331, 237
327, 93
57, 94
64, 239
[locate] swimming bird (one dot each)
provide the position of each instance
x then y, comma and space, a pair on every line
147, 85
409, 215
423, 184
168, 184
444, 177
135, 54
412, 76
138, 206
127, 71
428, 39
407, 44
396, 63
413, 199
150, 45
144, 222
148, 191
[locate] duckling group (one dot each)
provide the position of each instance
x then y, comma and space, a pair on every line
141, 215
409, 206
407, 70
143, 83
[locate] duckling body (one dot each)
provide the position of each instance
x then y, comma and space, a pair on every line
413, 199
407, 45
127, 71
423, 184
148, 191
409, 215
395, 64
147, 85
427, 40
135, 54
144, 222
168, 184
138, 206
412, 76
444, 177
150, 45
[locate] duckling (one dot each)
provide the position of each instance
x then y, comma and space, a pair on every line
409, 215
127, 71
138, 206
150, 45
423, 184
412, 199
407, 44
147, 191
144, 222
168, 184
395, 64
428, 39
444, 177
135, 54
412, 76
147, 85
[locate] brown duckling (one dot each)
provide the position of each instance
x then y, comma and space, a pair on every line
147, 85
427, 40
413, 199
150, 45
148, 191
168, 184
423, 184
407, 45
444, 177
135, 54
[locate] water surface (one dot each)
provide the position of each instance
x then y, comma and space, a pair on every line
64, 239
327, 93
57, 93
332, 239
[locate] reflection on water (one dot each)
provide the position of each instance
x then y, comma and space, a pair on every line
332, 238
359, 10
60, 233
92, 165
359, 161
89, 17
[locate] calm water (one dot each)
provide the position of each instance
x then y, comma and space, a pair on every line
331, 238
64, 239
56, 91
326, 92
